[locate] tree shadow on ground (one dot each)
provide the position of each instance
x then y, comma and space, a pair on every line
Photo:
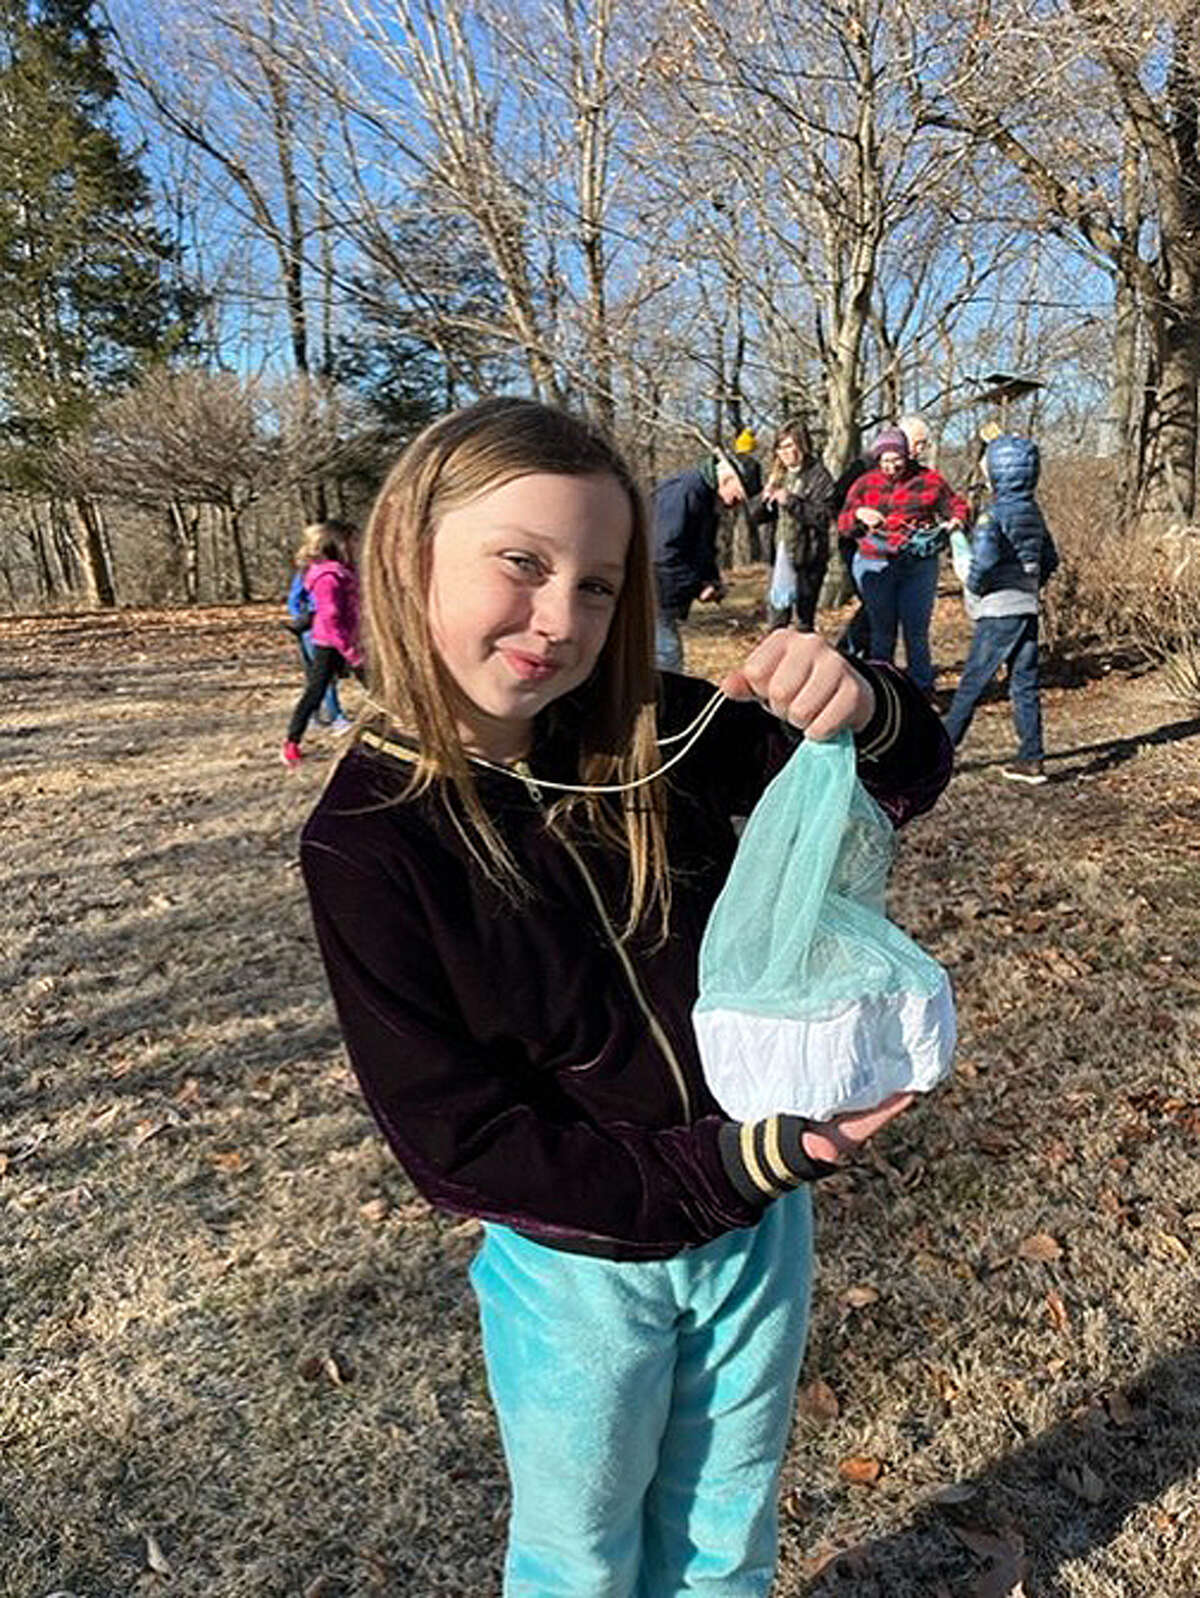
1064, 1496
1105, 755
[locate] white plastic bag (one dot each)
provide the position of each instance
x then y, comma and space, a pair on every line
782, 593
960, 554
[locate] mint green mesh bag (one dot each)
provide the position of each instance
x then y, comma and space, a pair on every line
811, 1001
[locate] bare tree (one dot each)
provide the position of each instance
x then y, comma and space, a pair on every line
219, 81
186, 443
1078, 99
805, 127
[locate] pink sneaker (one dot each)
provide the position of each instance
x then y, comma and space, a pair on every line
291, 754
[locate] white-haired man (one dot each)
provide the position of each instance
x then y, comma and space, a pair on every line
686, 509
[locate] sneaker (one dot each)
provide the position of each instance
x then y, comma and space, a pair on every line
292, 755
1029, 771
341, 726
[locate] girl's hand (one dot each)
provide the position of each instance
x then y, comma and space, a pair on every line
869, 516
804, 682
846, 1134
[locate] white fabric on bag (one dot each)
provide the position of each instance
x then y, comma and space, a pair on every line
853, 1058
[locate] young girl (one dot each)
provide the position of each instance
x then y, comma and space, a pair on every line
510, 917
300, 619
798, 499
332, 588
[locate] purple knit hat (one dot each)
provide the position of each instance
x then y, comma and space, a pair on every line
890, 441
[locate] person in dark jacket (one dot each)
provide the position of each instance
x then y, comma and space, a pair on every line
509, 899
798, 502
686, 508
1012, 556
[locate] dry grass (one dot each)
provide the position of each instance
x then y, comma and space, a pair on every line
235, 1344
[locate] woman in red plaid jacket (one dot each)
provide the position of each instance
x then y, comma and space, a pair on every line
885, 507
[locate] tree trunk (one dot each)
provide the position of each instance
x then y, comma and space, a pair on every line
233, 525
62, 541
1123, 403
47, 587
1171, 444
93, 555
589, 74
186, 531
843, 395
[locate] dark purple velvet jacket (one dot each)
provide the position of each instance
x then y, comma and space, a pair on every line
523, 1066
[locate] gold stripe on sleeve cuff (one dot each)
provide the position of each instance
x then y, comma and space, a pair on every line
890, 730
751, 1161
774, 1154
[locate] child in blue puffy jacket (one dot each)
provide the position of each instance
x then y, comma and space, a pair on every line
1012, 556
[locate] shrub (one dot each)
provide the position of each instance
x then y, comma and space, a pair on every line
1134, 588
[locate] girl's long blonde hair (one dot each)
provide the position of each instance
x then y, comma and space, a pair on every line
451, 463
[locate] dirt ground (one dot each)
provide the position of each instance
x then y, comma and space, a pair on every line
237, 1352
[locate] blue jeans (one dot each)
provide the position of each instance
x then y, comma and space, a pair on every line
331, 705
644, 1408
998, 641
898, 595
668, 645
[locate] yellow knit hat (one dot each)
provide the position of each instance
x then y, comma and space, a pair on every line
745, 443
990, 431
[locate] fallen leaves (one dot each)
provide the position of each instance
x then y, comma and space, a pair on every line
1004, 1551
1166, 1246
1083, 1482
859, 1296
1040, 1246
1058, 1312
147, 1129
820, 1559
1120, 1411
953, 1493
228, 1160
156, 1560
818, 1402
329, 1367
860, 1470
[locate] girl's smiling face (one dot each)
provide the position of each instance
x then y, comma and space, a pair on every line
523, 586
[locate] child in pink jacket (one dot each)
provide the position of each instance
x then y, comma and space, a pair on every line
332, 587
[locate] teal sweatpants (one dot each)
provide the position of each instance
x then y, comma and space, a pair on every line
644, 1408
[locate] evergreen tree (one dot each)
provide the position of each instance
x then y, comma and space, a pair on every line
422, 335
86, 295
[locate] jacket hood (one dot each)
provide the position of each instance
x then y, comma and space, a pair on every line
1012, 464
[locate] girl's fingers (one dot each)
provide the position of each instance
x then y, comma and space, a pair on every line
805, 682
852, 705
736, 685
750, 680
863, 1124
845, 1134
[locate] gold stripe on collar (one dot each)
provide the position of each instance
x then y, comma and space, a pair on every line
387, 747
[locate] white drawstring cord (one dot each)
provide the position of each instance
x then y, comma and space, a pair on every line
692, 733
